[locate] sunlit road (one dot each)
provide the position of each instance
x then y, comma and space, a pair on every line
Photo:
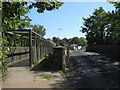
91, 70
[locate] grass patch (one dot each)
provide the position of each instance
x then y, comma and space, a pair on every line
60, 71
47, 76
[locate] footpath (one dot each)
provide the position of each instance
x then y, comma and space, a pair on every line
23, 77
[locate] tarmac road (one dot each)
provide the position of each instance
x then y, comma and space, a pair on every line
92, 70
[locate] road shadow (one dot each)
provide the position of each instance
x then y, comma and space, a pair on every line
91, 71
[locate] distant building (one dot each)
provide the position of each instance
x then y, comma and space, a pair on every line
74, 47
79, 47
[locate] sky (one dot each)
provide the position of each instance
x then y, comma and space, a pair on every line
68, 18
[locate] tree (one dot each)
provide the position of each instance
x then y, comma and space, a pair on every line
13, 16
56, 40
48, 5
115, 23
67, 40
13, 13
39, 29
75, 40
49, 39
82, 41
94, 26
79, 41
103, 27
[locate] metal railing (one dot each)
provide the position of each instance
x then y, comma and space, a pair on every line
27, 44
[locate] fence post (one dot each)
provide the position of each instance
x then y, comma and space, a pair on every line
30, 47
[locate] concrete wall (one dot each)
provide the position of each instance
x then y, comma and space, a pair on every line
110, 50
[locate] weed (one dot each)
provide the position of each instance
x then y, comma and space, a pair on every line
47, 76
60, 71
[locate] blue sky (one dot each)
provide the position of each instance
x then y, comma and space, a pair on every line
68, 17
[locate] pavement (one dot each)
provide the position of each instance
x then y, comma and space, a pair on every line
0, 81
21, 76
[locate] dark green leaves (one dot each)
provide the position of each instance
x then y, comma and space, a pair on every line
79, 41
39, 29
102, 27
42, 6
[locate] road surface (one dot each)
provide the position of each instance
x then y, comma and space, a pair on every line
92, 70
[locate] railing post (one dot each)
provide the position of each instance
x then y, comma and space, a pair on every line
40, 49
43, 48
30, 48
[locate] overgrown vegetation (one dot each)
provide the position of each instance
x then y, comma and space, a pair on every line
103, 27
3, 56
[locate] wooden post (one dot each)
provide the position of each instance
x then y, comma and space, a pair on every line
40, 49
43, 49
30, 48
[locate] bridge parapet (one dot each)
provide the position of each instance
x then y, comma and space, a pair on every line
60, 57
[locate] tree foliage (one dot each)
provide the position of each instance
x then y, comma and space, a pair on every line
67, 41
56, 40
79, 41
14, 13
102, 27
48, 5
39, 29
13, 16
